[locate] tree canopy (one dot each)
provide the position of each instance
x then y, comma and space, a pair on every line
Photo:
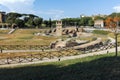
34, 21
24, 20
112, 22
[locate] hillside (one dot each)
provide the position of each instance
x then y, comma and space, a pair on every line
103, 67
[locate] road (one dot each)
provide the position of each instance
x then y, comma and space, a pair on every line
16, 51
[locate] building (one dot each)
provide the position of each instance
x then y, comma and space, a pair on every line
2, 17
3, 23
99, 23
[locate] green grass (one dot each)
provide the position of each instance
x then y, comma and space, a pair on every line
29, 31
102, 67
101, 32
113, 36
26, 37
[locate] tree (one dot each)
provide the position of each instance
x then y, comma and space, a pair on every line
30, 23
32, 16
114, 15
70, 21
19, 23
46, 22
85, 21
91, 22
111, 22
13, 15
38, 22
99, 17
54, 23
26, 19
50, 23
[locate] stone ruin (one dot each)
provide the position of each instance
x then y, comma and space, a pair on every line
59, 28
70, 31
66, 43
59, 31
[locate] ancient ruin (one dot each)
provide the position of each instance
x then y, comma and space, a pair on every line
59, 28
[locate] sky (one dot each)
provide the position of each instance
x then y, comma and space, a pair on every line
58, 9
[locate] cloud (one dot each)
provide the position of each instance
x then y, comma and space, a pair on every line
117, 8
56, 14
21, 6
53, 13
28, 6
50, 12
2, 8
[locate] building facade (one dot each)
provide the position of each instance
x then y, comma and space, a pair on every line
2, 17
99, 23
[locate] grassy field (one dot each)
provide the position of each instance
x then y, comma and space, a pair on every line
104, 34
25, 37
103, 67
113, 36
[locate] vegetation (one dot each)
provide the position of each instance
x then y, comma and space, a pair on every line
113, 36
101, 32
24, 20
90, 68
85, 21
26, 37
99, 17
114, 15
112, 22
33, 21
102, 67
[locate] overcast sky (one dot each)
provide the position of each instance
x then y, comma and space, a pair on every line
57, 9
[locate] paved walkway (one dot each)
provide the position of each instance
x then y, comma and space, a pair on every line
16, 51
63, 58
